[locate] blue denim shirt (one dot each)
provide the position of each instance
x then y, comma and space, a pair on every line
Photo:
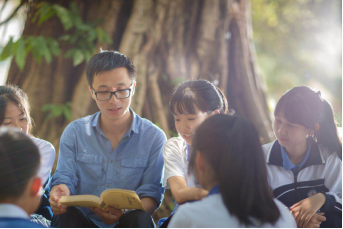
88, 165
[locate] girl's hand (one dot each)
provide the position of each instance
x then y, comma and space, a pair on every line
316, 220
305, 209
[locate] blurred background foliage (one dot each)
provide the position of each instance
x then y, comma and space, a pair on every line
299, 42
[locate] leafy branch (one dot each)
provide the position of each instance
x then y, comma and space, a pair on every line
58, 110
79, 34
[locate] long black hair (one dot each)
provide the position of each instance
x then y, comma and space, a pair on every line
197, 93
305, 107
232, 148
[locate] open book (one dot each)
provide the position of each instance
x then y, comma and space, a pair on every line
117, 198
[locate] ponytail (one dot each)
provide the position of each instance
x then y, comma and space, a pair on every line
305, 107
327, 133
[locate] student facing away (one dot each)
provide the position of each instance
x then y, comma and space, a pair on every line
20, 183
15, 112
227, 160
113, 148
304, 164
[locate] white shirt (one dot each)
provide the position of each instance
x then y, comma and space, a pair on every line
211, 212
175, 161
47, 153
12, 211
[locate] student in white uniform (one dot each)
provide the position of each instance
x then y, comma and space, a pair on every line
15, 112
227, 160
191, 103
304, 164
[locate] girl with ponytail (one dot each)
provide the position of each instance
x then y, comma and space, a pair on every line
191, 103
304, 163
227, 160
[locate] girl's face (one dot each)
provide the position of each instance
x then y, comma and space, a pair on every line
16, 118
290, 135
186, 124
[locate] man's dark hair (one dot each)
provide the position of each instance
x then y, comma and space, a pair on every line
19, 162
106, 61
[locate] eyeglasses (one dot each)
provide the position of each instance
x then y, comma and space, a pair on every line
107, 95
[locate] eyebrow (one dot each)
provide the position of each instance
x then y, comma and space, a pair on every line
11, 117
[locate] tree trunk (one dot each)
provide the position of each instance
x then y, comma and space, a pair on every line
169, 41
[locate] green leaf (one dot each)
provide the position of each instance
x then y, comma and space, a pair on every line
44, 50
8, 50
54, 47
64, 37
20, 54
47, 107
69, 53
78, 57
64, 16
56, 111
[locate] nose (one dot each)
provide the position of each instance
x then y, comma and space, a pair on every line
113, 99
184, 126
17, 125
282, 130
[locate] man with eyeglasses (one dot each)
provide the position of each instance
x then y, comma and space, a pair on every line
113, 148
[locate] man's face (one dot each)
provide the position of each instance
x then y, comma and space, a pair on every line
110, 81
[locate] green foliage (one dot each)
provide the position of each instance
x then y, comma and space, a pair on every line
58, 110
78, 34
299, 43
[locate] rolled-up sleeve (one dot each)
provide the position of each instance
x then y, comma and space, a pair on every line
151, 184
66, 166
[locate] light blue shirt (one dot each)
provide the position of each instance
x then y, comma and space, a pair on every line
288, 165
88, 165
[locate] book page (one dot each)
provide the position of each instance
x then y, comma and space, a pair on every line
121, 199
81, 201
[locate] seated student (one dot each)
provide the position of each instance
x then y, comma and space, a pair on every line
15, 112
304, 163
113, 148
191, 103
227, 160
20, 184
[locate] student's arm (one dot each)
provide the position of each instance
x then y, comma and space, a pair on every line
182, 193
325, 202
151, 185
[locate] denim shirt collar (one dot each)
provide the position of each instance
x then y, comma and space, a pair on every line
287, 164
95, 122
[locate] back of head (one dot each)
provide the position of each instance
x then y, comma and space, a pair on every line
107, 61
305, 107
197, 93
13, 94
20, 160
232, 148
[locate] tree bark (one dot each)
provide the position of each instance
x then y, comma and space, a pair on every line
169, 42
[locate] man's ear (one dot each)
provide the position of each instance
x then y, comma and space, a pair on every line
91, 91
36, 187
133, 87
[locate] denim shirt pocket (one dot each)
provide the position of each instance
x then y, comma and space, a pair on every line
90, 169
131, 171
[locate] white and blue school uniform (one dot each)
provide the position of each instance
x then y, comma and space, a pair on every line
12, 216
320, 171
212, 212
47, 154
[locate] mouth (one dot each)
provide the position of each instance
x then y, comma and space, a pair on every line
187, 136
114, 110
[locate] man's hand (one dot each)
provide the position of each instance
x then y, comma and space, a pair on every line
56, 193
109, 215
305, 209
316, 220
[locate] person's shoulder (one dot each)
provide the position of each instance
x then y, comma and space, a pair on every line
7, 222
43, 144
146, 125
328, 154
175, 141
82, 122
